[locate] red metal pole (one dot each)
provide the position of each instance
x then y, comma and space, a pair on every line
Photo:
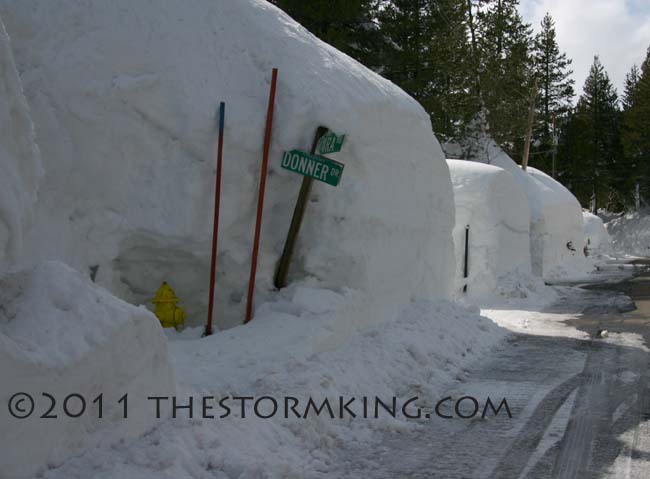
260, 198
215, 224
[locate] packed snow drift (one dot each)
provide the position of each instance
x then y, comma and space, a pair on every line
630, 233
597, 239
63, 335
124, 98
493, 211
556, 227
20, 163
420, 354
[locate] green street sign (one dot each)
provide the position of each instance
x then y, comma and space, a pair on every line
330, 143
316, 167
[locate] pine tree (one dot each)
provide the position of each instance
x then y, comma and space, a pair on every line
504, 46
555, 92
631, 85
348, 25
407, 26
591, 148
429, 56
454, 99
636, 125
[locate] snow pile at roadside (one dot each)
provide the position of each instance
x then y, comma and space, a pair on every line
563, 230
124, 98
493, 206
63, 335
630, 234
422, 354
20, 164
556, 228
597, 239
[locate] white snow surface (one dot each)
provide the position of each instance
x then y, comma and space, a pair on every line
63, 335
495, 208
597, 239
556, 215
124, 97
20, 163
630, 233
422, 353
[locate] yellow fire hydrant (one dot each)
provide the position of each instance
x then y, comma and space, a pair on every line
169, 314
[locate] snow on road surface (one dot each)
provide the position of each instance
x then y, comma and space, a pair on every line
287, 355
577, 402
580, 405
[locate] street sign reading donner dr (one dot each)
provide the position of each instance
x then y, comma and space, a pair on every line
316, 167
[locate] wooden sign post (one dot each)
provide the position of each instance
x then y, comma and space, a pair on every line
312, 167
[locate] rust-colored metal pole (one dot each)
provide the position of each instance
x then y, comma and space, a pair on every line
260, 198
215, 223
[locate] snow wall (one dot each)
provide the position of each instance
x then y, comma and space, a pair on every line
556, 227
630, 233
124, 98
597, 238
20, 163
61, 334
492, 204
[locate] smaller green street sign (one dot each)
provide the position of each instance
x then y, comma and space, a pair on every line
330, 143
316, 167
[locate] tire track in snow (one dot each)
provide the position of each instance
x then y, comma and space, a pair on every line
513, 462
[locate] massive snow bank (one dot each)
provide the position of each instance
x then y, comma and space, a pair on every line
597, 239
20, 164
423, 353
492, 204
124, 98
556, 228
61, 334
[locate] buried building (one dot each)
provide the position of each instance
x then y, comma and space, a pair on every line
491, 235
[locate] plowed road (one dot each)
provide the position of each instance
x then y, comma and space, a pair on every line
581, 407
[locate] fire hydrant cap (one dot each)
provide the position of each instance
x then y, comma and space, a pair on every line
165, 294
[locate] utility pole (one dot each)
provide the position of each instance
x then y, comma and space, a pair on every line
594, 200
555, 142
529, 134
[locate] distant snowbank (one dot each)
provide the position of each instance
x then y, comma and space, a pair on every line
124, 98
61, 334
556, 228
20, 163
493, 206
630, 234
597, 239
422, 353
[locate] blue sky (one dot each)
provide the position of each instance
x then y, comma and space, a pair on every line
617, 30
